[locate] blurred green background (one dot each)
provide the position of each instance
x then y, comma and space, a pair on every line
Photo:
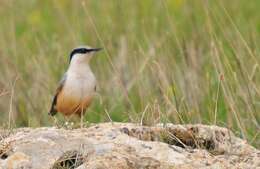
179, 61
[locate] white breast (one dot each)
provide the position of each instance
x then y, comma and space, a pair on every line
80, 82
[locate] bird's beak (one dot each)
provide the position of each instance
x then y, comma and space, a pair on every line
95, 49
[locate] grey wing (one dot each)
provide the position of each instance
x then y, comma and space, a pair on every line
53, 109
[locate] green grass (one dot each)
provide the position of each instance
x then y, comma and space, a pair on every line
174, 61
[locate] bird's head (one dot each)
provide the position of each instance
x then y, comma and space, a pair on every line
82, 54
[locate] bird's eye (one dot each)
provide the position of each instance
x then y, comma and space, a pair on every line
84, 50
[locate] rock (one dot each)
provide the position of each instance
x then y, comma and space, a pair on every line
126, 146
18, 160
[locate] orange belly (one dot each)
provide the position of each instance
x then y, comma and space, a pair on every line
70, 105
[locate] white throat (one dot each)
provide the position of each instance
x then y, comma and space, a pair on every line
81, 69
79, 65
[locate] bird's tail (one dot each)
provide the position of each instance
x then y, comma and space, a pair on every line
52, 112
53, 109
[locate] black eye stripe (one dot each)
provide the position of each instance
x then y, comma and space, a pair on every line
79, 50
83, 50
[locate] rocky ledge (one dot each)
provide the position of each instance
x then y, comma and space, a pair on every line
126, 146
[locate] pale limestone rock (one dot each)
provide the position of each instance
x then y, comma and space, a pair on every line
126, 146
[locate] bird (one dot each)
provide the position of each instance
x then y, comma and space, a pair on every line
77, 87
